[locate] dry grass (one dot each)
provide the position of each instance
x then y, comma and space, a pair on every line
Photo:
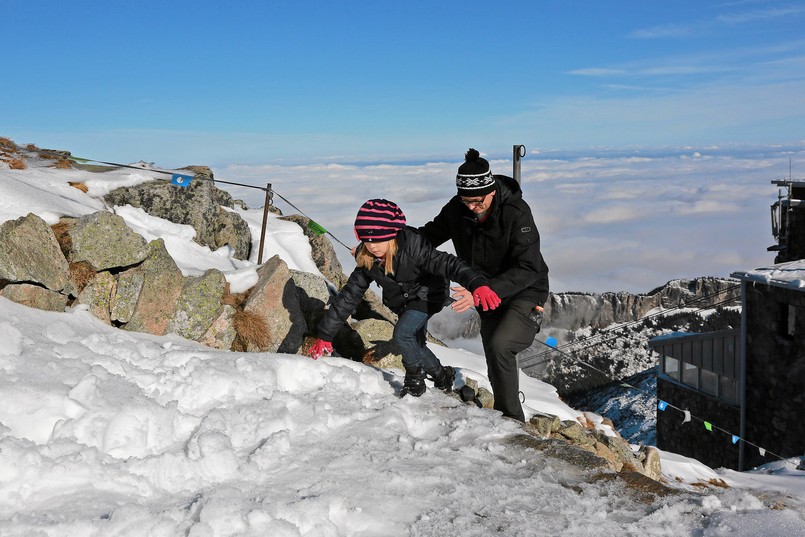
61, 230
63, 164
80, 186
712, 482
31, 147
236, 300
81, 274
251, 329
7, 143
17, 164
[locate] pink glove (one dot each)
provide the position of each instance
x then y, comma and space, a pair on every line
320, 348
486, 298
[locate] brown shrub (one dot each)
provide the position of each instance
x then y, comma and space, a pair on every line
63, 164
80, 274
31, 147
251, 329
17, 164
236, 300
61, 230
7, 143
80, 186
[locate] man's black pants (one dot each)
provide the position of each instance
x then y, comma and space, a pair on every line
505, 332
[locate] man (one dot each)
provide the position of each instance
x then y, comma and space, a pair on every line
493, 230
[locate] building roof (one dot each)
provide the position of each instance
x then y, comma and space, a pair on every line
790, 275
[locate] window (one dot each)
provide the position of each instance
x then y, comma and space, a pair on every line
709, 382
788, 320
671, 367
690, 375
729, 390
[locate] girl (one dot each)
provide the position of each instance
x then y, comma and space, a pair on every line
414, 278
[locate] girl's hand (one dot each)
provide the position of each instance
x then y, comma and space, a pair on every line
463, 299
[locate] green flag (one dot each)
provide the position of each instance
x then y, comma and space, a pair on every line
708, 426
317, 229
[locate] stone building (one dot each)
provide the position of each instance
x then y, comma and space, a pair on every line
744, 389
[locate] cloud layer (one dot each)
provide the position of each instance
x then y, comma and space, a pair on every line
613, 221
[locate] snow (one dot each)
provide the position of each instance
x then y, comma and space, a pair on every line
789, 274
108, 432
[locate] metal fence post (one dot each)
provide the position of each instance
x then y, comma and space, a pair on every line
518, 153
265, 220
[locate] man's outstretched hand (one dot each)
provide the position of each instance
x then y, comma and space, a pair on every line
485, 297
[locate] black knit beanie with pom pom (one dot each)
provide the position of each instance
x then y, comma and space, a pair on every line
474, 177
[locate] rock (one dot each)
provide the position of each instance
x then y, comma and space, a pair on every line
124, 301
105, 241
31, 254
573, 431
543, 425
377, 348
649, 456
198, 305
314, 295
97, 294
34, 296
198, 205
221, 333
322, 251
571, 311
275, 300
162, 285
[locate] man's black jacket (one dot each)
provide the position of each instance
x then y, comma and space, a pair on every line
505, 246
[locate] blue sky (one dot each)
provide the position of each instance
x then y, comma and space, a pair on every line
250, 82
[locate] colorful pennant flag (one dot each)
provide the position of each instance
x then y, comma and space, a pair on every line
708, 426
762, 452
662, 405
551, 342
735, 439
316, 228
181, 180
687, 416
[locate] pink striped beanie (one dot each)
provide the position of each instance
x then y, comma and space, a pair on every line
378, 220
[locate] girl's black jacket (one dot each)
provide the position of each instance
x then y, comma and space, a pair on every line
420, 281
505, 247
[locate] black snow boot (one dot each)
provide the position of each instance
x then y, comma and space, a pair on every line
413, 385
444, 380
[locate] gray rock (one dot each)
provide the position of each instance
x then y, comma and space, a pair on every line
198, 305
221, 333
376, 346
649, 456
321, 251
275, 300
34, 296
198, 205
571, 311
162, 285
314, 295
97, 294
104, 241
30, 253
543, 425
124, 301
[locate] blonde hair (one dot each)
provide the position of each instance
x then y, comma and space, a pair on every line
365, 260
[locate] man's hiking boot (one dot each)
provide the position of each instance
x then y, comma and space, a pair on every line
444, 380
413, 385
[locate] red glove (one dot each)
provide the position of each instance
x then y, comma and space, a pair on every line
486, 298
320, 348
